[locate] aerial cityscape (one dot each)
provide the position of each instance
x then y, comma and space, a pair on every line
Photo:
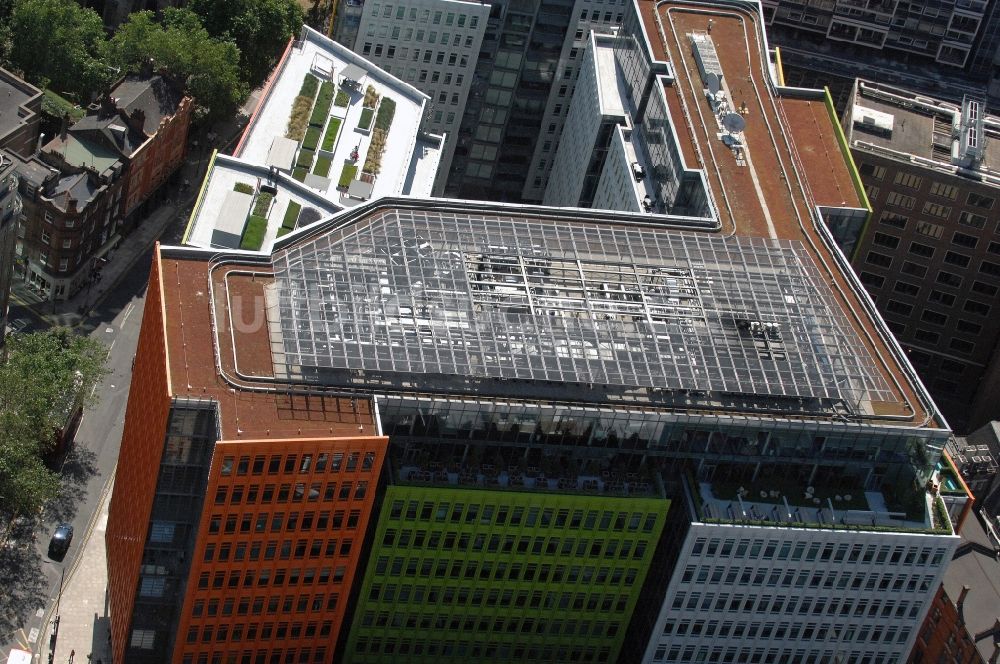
490, 330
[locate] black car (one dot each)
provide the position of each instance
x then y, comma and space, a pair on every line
61, 538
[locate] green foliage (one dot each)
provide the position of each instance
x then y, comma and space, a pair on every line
347, 175
209, 66
243, 188
60, 44
45, 377
322, 167
386, 111
262, 204
299, 173
373, 160
291, 215
322, 109
311, 139
260, 29
284, 231
56, 106
309, 86
253, 233
366, 118
331, 134
343, 99
305, 159
298, 120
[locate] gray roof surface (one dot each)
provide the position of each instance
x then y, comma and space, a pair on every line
353, 72
233, 215
489, 296
282, 153
155, 96
12, 97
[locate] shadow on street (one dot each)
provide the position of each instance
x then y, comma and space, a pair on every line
21, 577
77, 469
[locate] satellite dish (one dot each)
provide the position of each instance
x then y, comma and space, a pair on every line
712, 82
734, 122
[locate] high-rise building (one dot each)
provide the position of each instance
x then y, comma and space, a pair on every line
929, 257
659, 433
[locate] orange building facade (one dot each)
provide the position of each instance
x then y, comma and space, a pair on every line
236, 525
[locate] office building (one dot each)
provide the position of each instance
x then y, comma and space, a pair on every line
929, 256
961, 626
975, 457
20, 105
663, 434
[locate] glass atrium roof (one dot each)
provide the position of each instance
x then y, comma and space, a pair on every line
467, 294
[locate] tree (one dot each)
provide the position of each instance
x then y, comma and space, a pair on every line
57, 43
209, 67
44, 378
260, 29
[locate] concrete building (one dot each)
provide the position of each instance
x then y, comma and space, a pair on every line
432, 45
79, 189
929, 256
662, 435
976, 460
20, 105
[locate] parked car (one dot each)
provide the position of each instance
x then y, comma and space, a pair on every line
61, 539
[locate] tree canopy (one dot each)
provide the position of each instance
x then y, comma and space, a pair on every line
44, 378
210, 67
260, 29
59, 43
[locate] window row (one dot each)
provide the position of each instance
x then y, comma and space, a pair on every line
275, 656
822, 631
500, 570
481, 626
530, 517
256, 606
479, 651
258, 523
551, 546
293, 463
714, 654
784, 550
286, 550
804, 605
803, 578
296, 493
265, 577
494, 597
267, 631
424, 15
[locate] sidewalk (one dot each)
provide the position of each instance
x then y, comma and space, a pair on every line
83, 606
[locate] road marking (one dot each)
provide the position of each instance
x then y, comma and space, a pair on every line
128, 312
33, 635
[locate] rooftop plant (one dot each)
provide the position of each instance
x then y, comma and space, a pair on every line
253, 233
243, 188
373, 161
321, 111
366, 118
291, 216
322, 167
299, 173
311, 138
305, 159
302, 105
386, 111
331, 134
342, 100
371, 97
262, 204
347, 175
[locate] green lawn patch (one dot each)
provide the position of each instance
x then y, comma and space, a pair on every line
305, 159
322, 167
331, 134
56, 106
366, 118
299, 173
253, 233
322, 109
386, 111
291, 215
347, 175
311, 139
283, 231
298, 118
243, 188
342, 100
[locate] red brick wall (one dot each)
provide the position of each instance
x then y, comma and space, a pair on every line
135, 479
160, 157
943, 637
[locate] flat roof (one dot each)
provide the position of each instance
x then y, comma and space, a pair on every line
202, 370
780, 208
14, 94
316, 54
976, 565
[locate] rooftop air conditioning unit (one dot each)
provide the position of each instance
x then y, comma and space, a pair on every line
638, 172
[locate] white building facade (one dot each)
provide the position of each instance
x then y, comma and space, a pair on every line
432, 45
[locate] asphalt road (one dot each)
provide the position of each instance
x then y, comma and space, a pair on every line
91, 463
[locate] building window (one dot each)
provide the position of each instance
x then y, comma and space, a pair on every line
929, 229
899, 200
926, 336
969, 241
872, 280
936, 210
933, 317
990, 268
142, 638
949, 279
984, 288
875, 258
947, 299
969, 219
884, 240
899, 308
46, 237
893, 219
978, 308
980, 201
944, 190
954, 258
908, 180
961, 345
913, 269
906, 288
921, 249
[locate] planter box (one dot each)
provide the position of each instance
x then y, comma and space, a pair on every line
365, 122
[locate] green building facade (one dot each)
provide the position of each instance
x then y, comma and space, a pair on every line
458, 575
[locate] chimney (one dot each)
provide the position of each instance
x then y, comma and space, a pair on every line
961, 597
138, 119
107, 106
64, 126
71, 205
146, 70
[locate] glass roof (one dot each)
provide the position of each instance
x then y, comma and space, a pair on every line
489, 296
